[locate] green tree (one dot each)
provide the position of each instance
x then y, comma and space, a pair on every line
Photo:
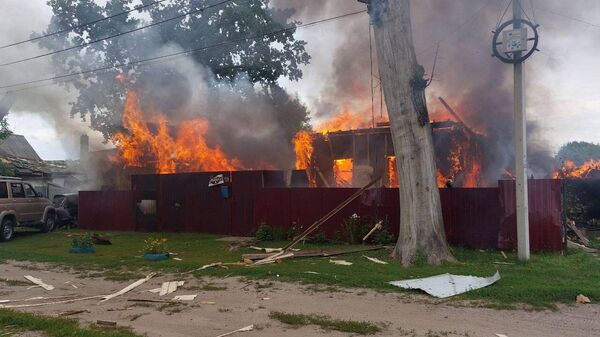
578, 152
261, 61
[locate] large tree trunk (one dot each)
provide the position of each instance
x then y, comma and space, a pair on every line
421, 223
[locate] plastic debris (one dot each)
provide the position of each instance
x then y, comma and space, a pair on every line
244, 329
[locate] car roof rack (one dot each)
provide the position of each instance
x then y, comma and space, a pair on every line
10, 178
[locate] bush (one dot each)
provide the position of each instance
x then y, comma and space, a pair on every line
264, 233
155, 246
84, 241
318, 239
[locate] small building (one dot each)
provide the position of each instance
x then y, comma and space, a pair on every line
18, 158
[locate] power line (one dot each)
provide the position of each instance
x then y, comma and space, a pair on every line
117, 35
136, 8
568, 17
185, 52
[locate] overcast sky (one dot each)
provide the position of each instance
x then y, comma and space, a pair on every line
566, 68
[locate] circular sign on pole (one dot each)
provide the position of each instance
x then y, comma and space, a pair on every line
512, 46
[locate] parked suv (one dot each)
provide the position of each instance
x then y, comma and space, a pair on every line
21, 205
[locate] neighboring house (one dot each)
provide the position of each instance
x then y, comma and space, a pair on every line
47, 177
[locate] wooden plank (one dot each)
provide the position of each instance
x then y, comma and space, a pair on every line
128, 288
580, 235
39, 282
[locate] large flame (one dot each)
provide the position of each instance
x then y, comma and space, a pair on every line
187, 152
342, 171
303, 146
346, 120
570, 170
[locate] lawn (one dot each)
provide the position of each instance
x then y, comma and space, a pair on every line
15, 323
549, 278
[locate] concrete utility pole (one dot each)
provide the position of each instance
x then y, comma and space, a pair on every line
521, 147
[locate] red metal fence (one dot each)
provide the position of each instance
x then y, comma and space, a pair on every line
473, 217
106, 210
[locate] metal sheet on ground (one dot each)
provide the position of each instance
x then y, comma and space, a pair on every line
447, 285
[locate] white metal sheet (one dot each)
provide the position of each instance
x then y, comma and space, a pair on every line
447, 285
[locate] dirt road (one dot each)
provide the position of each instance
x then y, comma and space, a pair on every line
238, 303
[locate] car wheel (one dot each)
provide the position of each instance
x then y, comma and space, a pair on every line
7, 230
49, 224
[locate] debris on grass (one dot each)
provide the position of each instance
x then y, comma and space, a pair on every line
177, 259
244, 329
39, 282
128, 288
574, 245
503, 254
446, 285
583, 299
311, 272
374, 259
266, 250
341, 262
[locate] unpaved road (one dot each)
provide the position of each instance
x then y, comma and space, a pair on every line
239, 303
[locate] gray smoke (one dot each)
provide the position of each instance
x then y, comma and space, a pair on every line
478, 86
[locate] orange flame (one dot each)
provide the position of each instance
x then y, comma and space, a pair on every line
570, 170
392, 173
188, 152
346, 120
303, 146
342, 171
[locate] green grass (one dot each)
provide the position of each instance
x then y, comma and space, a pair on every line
326, 323
549, 278
12, 322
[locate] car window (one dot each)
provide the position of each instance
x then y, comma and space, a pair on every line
29, 191
17, 190
3, 190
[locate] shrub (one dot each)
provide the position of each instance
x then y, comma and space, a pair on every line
318, 239
155, 246
83, 241
264, 233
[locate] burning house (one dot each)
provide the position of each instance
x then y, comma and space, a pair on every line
351, 158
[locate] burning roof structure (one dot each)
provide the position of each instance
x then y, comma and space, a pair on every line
350, 158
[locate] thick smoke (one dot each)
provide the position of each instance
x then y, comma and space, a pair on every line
244, 122
478, 86
51, 102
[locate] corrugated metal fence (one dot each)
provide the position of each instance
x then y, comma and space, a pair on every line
473, 217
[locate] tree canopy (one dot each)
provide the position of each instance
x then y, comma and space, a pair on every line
578, 152
263, 60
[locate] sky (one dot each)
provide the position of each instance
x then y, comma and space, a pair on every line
563, 79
